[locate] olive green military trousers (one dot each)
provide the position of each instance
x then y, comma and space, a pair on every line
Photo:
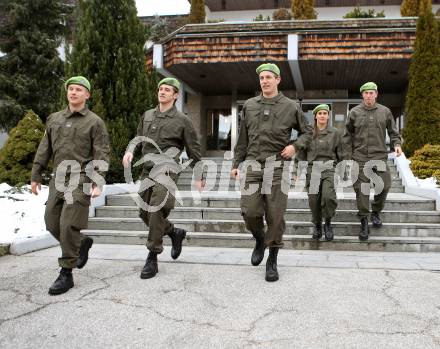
380, 196
160, 202
64, 220
269, 203
322, 194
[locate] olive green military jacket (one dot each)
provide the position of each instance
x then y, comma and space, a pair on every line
365, 132
266, 127
80, 136
171, 129
326, 146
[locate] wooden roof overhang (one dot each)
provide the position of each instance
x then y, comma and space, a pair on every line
215, 59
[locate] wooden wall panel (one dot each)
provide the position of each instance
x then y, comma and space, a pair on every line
225, 49
385, 45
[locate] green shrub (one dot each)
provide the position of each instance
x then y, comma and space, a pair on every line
18, 153
425, 162
261, 18
281, 14
359, 13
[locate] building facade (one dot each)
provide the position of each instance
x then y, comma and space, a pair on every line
321, 61
248, 10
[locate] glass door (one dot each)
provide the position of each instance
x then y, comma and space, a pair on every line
218, 131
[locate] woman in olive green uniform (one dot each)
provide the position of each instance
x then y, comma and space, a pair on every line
322, 154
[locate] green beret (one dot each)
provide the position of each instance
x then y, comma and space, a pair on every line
321, 107
78, 80
368, 86
268, 67
169, 81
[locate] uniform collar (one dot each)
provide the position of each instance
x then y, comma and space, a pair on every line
273, 100
323, 131
170, 112
68, 113
369, 108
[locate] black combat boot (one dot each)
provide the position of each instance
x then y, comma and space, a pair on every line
177, 235
63, 283
328, 229
258, 252
271, 265
86, 244
317, 231
150, 268
375, 219
363, 234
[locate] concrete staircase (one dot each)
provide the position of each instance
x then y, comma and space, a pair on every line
411, 222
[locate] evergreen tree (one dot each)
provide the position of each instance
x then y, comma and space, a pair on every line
197, 12
31, 70
18, 153
158, 29
108, 50
422, 118
409, 8
303, 9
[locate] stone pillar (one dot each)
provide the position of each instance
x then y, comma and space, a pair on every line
194, 110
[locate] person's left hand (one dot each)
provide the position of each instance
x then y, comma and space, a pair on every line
288, 152
398, 150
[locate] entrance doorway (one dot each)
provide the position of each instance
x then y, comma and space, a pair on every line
218, 131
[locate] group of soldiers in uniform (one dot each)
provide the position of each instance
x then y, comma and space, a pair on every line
79, 136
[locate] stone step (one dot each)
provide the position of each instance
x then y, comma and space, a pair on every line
303, 215
220, 160
232, 183
292, 227
188, 173
394, 202
297, 242
188, 187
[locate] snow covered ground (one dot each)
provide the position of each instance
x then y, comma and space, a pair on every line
21, 213
427, 183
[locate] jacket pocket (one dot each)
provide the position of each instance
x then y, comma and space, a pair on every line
81, 140
252, 119
146, 128
360, 120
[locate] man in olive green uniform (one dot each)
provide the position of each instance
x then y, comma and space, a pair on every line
323, 153
169, 131
364, 140
265, 136
74, 138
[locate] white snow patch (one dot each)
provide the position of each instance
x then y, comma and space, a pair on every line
427, 182
21, 213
